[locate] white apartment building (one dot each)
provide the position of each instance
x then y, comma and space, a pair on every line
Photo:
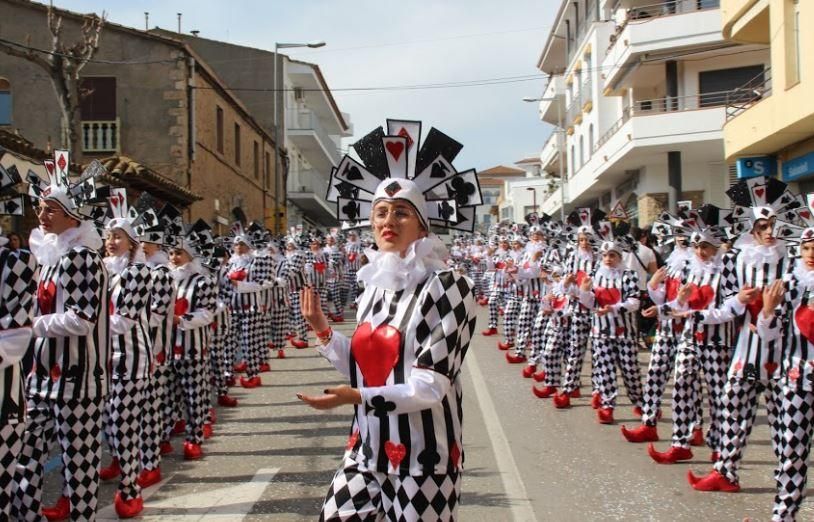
314, 130
642, 89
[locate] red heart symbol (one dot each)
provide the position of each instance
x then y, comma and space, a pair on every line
700, 297
500, 265
455, 454
606, 296
160, 358
110, 308
794, 373
238, 275
395, 453
56, 373
558, 303
804, 318
376, 352
395, 148
580, 276
319, 267
755, 306
738, 366
181, 306
49, 166
620, 330
805, 214
46, 297
178, 351
699, 336
352, 440
351, 257
770, 366
583, 216
671, 287
759, 192
605, 230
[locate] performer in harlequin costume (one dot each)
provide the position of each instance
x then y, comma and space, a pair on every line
195, 304
530, 283
295, 259
422, 315
698, 302
612, 296
498, 282
336, 276
69, 380
162, 301
277, 287
221, 353
131, 353
553, 339
786, 317
18, 288
514, 296
317, 264
756, 261
353, 258
476, 253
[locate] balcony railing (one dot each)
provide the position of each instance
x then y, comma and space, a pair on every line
100, 136
586, 19
750, 93
306, 119
664, 8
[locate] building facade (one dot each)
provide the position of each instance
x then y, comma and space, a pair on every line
641, 88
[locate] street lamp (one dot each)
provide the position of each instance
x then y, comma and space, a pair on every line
533, 197
560, 146
275, 115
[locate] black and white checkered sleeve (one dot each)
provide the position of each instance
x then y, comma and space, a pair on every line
161, 292
135, 295
19, 286
630, 291
82, 277
729, 275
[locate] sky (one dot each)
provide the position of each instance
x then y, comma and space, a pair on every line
394, 44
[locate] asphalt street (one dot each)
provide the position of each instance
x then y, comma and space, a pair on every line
272, 457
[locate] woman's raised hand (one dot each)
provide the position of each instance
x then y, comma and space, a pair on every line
312, 310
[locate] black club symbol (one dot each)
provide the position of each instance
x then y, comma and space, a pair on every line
445, 210
351, 210
461, 190
381, 406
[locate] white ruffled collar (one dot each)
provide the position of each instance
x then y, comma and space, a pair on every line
390, 271
241, 261
698, 268
190, 269
116, 264
804, 275
160, 258
752, 253
48, 248
609, 273
584, 254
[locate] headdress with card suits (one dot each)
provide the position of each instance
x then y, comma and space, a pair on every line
73, 197
615, 237
761, 198
238, 234
802, 230
11, 203
399, 165
135, 221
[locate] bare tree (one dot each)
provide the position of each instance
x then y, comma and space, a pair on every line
63, 63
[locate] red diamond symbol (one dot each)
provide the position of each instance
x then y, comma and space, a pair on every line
406, 134
61, 162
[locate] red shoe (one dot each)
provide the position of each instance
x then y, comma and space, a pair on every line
575, 394
671, 456
642, 433
338, 319
226, 401
231, 381
539, 376
207, 430
281, 354
289, 336
166, 448
483, 301
113, 471
249, 383
148, 477
515, 359
180, 427
504, 346
265, 368
596, 401
714, 456
489, 332
299, 343
544, 392
637, 411
714, 481
697, 438
192, 451
562, 401
528, 371
128, 508
240, 367
604, 415
60, 511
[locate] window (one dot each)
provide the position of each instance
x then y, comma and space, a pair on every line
5, 102
256, 157
573, 161
590, 140
219, 129
237, 144
97, 99
581, 151
487, 219
268, 165
716, 87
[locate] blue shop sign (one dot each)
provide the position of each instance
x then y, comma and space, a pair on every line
757, 166
796, 168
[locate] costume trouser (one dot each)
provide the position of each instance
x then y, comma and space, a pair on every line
579, 333
554, 351
351, 288
11, 442
152, 423
323, 299
295, 319
123, 414
795, 423
277, 317
612, 353
539, 330
477, 280
739, 408
334, 299
251, 340
76, 424
525, 320
363, 495
495, 296
662, 362
687, 393
190, 375
513, 304
220, 358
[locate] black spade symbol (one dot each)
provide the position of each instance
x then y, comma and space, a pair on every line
439, 170
445, 210
353, 173
347, 191
351, 210
461, 190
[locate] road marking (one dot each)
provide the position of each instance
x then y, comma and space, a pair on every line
223, 504
512, 483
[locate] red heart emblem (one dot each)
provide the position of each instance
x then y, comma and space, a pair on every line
238, 275
376, 352
395, 148
770, 366
352, 440
671, 285
319, 267
700, 297
110, 308
455, 454
559, 303
56, 373
178, 351
351, 257
620, 330
181, 306
805, 214
804, 318
759, 192
738, 366
607, 296
755, 306
46, 297
395, 453
794, 373
580, 276
500, 265
160, 358
699, 336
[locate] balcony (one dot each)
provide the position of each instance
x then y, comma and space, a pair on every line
582, 29
552, 201
550, 154
307, 133
553, 95
100, 136
662, 27
307, 190
749, 94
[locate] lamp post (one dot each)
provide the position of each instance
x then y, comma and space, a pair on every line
280, 86
560, 146
533, 197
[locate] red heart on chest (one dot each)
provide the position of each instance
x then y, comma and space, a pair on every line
351, 257
804, 318
376, 352
754, 307
46, 297
319, 267
558, 303
671, 288
181, 306
111, 308
607, 296
500, 265
238, 275
395, 453
700, 297
580, 276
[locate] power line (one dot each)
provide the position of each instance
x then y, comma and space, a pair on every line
92, 60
